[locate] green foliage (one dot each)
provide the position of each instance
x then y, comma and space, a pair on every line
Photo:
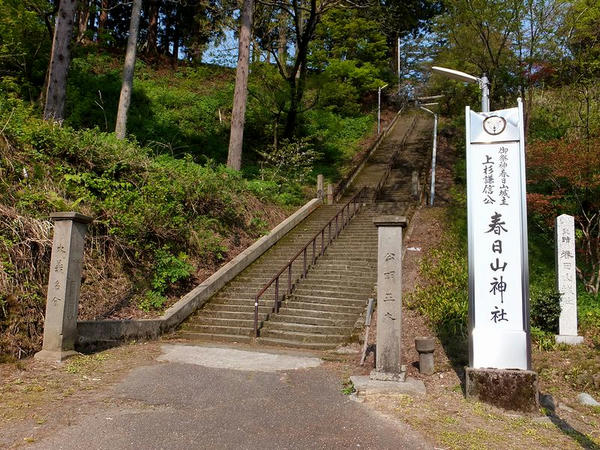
169, 269
336, 138
147, 209
445, 300
544, 309
588, 312
348, 387
152, 300
543, 339
170, 114
24, 47
291, 161
350, 49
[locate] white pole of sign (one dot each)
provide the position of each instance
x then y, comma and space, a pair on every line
433, 155
497, 227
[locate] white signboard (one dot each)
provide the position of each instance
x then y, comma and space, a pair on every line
498, 267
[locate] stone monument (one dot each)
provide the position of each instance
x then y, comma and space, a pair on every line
389, 299
389, 376
320, 189
330, 194
60, 325
566, 282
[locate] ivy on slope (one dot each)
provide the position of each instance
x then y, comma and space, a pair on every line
161, 223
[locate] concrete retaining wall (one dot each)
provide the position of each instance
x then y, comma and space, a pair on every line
103, 332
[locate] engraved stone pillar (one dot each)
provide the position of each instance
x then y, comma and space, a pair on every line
320, 190
566, 282
60, 325
330, 194
389, 299
415, 185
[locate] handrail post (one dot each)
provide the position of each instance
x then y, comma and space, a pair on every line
322, 241
277, 295
304, 273
256, 316
314, 251
289, 279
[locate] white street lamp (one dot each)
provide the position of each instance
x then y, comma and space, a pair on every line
379, 108
484, 83
433, 153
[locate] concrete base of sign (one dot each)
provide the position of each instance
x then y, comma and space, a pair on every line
378, 375
569, 340
54, 356
515, 390
366, 387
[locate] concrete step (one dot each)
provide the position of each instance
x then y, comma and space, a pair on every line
303, 337
246, 322
228, 315
321, 321
318, 279
201, 337
289, 310
295, 344
313, 306
221, 307
344, 294
216, 329
328, 300
305, 328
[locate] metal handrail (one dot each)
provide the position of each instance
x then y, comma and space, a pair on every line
394, 160
339, 222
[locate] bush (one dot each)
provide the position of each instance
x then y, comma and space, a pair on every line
445, 301
544, 306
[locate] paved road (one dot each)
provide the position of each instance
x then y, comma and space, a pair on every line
181, 405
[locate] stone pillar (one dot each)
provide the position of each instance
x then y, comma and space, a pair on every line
425, 346
566, 282
389, 299
415, 184
60, 325
330, 194
320, 190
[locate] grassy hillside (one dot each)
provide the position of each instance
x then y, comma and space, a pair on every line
167, 212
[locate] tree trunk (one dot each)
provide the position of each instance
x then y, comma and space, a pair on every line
238, 113
125, 98
282, 42
59, 61
176, 34
152, 28
83, 19
104, 5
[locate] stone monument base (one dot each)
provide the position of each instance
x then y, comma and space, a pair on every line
54, 356
389, 376
365, 387
508, 389
569, 340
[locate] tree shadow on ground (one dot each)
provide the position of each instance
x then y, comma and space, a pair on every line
566, 428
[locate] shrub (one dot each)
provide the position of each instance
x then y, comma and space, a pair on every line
544, 305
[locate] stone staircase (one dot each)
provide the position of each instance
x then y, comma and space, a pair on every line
229, 315
323, 309
324, 306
